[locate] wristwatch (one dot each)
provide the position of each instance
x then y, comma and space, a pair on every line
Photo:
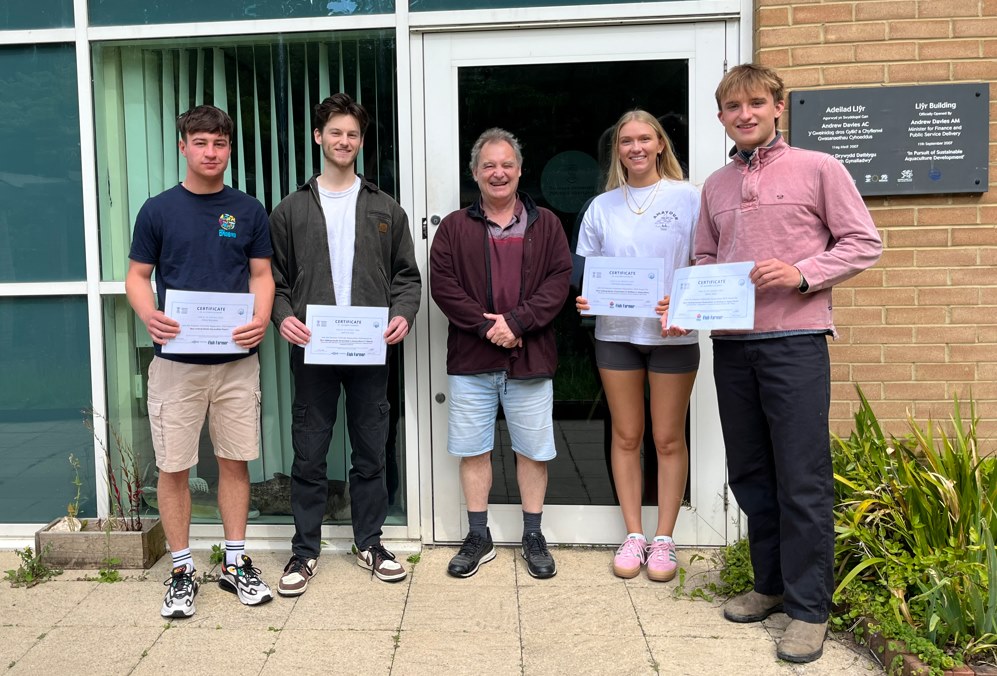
804, 286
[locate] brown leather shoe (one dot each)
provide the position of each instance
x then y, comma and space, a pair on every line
752, 607
802, 641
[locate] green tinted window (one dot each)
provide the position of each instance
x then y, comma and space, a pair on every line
268, 84
41, 188
125, 12
434, 5
45, 351
37, 14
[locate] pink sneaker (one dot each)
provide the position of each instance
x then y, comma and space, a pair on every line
661, 561
630, 557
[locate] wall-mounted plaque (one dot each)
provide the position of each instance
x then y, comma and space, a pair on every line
900, 140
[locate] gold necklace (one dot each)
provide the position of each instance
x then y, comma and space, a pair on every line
648, 201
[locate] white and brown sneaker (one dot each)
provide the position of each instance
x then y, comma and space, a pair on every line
380, 562
297, 572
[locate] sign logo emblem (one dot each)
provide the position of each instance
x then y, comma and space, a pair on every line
227, 222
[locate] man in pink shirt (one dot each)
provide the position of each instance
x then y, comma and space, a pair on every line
798, 216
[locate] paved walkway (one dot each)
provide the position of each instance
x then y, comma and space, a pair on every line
501, 621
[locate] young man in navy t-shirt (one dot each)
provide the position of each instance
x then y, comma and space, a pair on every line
202, 235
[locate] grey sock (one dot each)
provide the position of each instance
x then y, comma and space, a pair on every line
531, 522
478, 522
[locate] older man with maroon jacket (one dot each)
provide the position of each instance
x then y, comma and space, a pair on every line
499, 271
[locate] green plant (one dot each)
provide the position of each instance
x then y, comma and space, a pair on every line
109, 573
414, 558
915, 519
125, 510
730, 565
32, 570
217, 554
73, 508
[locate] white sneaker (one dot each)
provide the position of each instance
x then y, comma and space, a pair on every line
244, 581
181, 589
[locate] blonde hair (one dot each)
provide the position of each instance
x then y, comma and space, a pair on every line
667, 164
750, 78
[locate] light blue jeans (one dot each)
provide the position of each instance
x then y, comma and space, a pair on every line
528, 407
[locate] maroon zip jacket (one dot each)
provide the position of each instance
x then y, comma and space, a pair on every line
460, 283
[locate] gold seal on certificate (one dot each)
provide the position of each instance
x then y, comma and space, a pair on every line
719, 296
346, 335
623, 287
206, 321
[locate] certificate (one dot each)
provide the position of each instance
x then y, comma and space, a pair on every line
719, 296
346, 335
623, 287
206, 321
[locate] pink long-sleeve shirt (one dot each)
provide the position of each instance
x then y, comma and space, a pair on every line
799, 206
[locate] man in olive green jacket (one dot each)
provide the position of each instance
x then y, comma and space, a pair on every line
339, 240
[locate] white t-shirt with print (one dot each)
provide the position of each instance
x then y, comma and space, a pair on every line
340, 209
664, 230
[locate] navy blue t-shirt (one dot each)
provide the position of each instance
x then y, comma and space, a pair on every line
201, 243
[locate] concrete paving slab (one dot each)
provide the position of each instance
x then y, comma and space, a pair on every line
754, 656
15, 641
207, 652
130, 603
160, 570
86, 651
556, 653
331, 652
841, 656
453, 608
9, 561
590, 611
432, 568
366, 604
584, 620
576, 566
43, 605
495, 653
661, 614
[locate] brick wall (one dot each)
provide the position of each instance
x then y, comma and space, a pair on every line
921, 326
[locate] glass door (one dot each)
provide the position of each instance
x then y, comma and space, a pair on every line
560, 91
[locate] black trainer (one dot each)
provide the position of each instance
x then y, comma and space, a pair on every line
475, 551
539, 562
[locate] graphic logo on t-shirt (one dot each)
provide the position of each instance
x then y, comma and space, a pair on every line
227, 223
663, 220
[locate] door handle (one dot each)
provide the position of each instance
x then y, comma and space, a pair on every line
440, 397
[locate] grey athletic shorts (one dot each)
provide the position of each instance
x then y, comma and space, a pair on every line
654, 358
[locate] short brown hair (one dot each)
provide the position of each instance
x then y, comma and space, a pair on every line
750, 77
207, 119
339, 104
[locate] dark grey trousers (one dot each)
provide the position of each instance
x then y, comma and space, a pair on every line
774, 397
316, 398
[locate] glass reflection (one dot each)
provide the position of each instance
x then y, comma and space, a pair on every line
45, 361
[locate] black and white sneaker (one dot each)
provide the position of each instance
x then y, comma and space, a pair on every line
181, 589
539, 562
244, 581
475, 551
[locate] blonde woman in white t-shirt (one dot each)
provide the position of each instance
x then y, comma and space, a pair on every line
648, 211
